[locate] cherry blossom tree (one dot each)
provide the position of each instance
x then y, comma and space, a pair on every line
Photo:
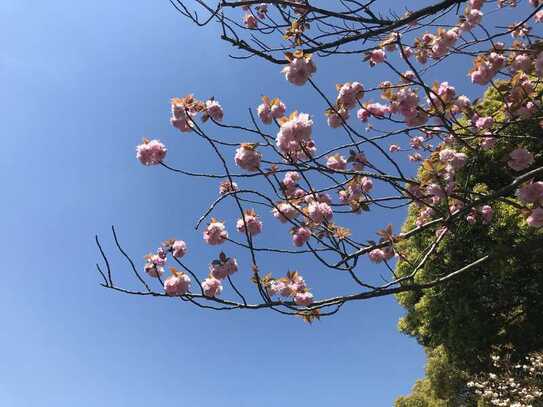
402, 142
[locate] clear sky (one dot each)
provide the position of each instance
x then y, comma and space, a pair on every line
82, 83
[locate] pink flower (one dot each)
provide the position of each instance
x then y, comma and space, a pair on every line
252, 222
446, 154
539, 16
436, 192
446, 92
179, 248
295, 283
335, 120
454, 159
247, 157
473, 18
300, 236
349, 93
520, 159
151, 152
376, 255
488, 142
376, 56
336, 162
215, 233
264, 112
415, 157
416, 142
319, 212
484, 122
212, 287
278, 109
366, 184
362, 114
299, 70
522, 62
536, 218
394, 148
214, 110
472, 217
285, 212
223, 267
486, 213
377, 109
409, 76
250, 21
294, 137
476, 4
531, 192
180, 118
461, 103
305, 299
153, 270
178, 284
154, 263
290, 180
271, 109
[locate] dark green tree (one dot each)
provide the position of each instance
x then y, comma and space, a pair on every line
495, 306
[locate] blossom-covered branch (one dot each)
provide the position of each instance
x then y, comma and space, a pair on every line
402, 142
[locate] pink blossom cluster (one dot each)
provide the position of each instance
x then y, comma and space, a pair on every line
271, 109
285, 211
484, 214
441, 186
520, 159
212, 287
223, 267
182, 113
154, 263
177, 284
179, 248
290, 183
247, 157
215, 233
214, 110
336, 162
293, 285
294, 137
383, 254
377, 56
336, 117
532, 193
250, 19
250, 223
151, 152
355, 189
349, 94
299, 69
486, 68
300, 235
319, 210
219, 269
373, 109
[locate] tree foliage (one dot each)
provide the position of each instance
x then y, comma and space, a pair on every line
498, 304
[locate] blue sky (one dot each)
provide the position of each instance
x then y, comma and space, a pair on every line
82, 83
